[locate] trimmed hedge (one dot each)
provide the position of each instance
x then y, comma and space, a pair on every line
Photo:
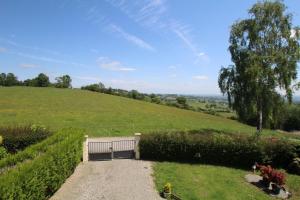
32, 151
16, 138
42, 176
220, 149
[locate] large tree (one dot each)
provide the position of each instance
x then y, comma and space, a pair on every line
11, 80
42, 80
265, 50
63, 81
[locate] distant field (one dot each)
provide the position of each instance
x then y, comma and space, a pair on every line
196, 181
101, 114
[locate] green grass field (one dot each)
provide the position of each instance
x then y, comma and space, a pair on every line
101, 114
195, 181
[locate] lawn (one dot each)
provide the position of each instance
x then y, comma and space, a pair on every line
196, 181
102, 114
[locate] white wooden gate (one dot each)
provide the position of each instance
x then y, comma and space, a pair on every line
106, 150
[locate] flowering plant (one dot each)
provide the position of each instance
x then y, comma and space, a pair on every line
271, 175
167, 188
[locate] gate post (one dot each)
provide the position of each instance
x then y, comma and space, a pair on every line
85, 155
137, 137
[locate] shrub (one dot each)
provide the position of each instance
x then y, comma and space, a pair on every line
272, 175
294, 166
19, 137
3, 153
41, 177
32, 151
216, 148
167, 188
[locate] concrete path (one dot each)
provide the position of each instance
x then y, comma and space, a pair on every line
110, 180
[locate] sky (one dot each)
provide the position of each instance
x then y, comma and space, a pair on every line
154, 46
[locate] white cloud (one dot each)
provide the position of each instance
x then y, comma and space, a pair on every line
113, 65
131, 38
87, 78
94, 51
49, 59
182, 31
200, 77
2, 49
173, 75
153, 14
34, 48
28, 65
172, 67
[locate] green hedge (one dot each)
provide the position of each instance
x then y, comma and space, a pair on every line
42, 176
16, 138
32, 151
215, 148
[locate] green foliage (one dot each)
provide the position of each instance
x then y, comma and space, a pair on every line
19, 137
32, 151
41, 177
3, 152
265, 57
294, 166
181, 100
42, 80
291, 118
216, 148
63, 81
94, 87
8, 79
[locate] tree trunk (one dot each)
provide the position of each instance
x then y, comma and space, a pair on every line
259, 117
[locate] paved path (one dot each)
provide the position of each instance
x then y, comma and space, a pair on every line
110, 180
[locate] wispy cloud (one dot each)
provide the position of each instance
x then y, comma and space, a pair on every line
173, 75
113, 65
48, 59
2, 49
87, 78
200, 77
131, 38
34, 48
154, 15
94, 51
28, 65
182, 31
172, 67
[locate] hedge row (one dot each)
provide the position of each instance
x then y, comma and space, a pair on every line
219, 149
41, 177
16, 138
32, 151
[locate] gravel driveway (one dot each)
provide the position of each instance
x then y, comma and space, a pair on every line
121, 179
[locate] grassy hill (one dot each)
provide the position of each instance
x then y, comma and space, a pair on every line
101, 114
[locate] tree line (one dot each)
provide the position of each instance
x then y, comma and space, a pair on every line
181, 101
42, 80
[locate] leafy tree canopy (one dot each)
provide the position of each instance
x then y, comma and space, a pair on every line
265, 50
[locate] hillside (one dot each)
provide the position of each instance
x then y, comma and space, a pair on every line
101, 114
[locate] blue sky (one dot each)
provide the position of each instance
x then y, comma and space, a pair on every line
160, 46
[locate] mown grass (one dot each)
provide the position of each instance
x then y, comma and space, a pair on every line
196, 181
102, 114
